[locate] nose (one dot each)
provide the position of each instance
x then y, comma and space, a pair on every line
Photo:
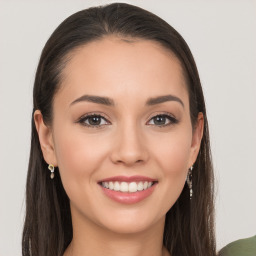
129, 146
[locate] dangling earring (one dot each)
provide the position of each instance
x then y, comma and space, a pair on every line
51, 168
189, 181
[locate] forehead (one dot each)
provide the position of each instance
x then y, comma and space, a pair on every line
124, 67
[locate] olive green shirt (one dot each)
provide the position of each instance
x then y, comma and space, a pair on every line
242, 247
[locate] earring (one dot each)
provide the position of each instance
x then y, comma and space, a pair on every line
189, 181
51, 168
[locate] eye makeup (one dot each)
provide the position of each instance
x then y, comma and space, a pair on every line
98, 120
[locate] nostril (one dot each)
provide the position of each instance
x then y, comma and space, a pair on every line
129, 151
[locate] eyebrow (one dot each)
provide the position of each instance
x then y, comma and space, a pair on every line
95, 99
162, 99
109, 102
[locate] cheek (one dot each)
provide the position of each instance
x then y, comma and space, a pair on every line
174, 153
78, 156
172, 156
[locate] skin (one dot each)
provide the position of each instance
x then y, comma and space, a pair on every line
129, 143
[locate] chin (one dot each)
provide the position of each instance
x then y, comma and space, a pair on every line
128, 228
131, 223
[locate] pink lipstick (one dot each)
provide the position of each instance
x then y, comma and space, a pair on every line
128, 190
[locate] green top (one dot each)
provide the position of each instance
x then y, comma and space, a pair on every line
242, 247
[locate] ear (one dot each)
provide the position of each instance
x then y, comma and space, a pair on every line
45, 138
196, 138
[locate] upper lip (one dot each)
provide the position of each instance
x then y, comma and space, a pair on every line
128, 178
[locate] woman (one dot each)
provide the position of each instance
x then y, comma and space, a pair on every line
120, 156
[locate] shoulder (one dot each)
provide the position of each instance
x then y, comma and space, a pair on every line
242, 247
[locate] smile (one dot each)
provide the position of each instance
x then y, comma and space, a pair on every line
130, 187
128, 190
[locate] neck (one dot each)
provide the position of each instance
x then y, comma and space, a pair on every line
91, 239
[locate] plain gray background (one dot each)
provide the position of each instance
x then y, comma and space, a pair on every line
222, 37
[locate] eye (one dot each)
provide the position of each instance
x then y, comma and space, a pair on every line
162, 120
93, 121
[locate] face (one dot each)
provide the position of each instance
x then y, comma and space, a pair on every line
121, 134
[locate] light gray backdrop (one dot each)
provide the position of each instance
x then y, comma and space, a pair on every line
222, 37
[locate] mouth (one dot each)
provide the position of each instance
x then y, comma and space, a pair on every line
125, 187
128, 190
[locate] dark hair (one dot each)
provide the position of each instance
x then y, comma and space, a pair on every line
189, 226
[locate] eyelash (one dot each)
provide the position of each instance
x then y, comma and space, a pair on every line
172, 120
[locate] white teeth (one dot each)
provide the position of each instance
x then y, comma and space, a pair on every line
133, 187
111, 185
116, 186
124, 187
140, 186
105, 184
127, 187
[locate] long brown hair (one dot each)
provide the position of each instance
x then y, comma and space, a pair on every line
189, 226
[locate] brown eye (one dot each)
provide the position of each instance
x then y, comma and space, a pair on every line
159, 120
93, 121
162, 120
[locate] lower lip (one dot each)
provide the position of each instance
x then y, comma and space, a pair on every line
128, 198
